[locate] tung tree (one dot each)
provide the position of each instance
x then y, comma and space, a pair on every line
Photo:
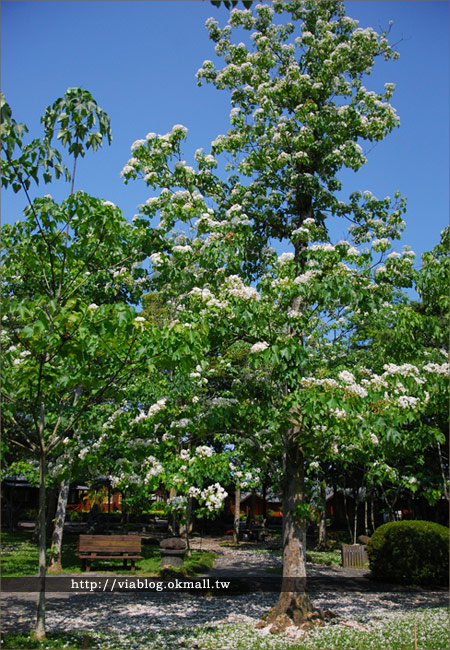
299, 113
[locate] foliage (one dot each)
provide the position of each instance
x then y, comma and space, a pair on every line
290, 342
229, 4
21, 163
411, 552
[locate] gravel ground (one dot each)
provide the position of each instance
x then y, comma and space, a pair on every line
131, 612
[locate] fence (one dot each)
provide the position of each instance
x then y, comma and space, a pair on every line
354, 556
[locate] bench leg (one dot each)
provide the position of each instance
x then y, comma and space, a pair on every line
125, 564
88, 566
133, 565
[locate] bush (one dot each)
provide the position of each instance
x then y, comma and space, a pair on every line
410, 552
30, 514
335, 538
74, 515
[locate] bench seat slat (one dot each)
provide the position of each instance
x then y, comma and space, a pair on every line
110, 557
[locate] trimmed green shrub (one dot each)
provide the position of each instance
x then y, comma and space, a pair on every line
410, 552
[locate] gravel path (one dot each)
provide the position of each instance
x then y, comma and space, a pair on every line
131, 612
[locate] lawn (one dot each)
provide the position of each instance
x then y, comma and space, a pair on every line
20, 558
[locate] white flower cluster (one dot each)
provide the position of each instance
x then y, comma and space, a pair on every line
406, 369
155, 469
440, 369
380, 244
238, 289
203, 451
155, 408
180, 424
356, 389
109, 422
303, 278
142, 415
326, 247
182, 249
378, 381
285, 257
205, 293
338, 413
347, 377
259, 347
177, 504
214, 496
302, 231
156, 259
405, 401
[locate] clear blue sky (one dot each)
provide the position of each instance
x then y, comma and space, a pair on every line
139, 59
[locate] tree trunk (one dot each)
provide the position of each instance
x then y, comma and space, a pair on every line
366, 518
355, 516
55, 553
372, 514
251, 512
51, 510
264, 502
322, 543
443, 473
293, 605
39, 632
237, 513
347, 518
173, 525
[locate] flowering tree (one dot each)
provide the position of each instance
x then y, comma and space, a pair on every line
70, 271
300, 111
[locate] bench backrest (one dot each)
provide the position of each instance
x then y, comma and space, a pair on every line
109, 543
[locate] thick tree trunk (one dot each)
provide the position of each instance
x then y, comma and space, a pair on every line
293, 606
237, 513
322, 542
55, 553
40, 618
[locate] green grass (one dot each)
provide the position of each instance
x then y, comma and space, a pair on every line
392, 632
328, 558
20, 558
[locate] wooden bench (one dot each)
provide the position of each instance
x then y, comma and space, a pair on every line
109, 547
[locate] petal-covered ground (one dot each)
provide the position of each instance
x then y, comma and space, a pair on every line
183, 620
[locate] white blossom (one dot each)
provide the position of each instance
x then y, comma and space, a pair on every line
406, 401
259, 347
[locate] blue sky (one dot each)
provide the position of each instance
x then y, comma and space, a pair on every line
139, 59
